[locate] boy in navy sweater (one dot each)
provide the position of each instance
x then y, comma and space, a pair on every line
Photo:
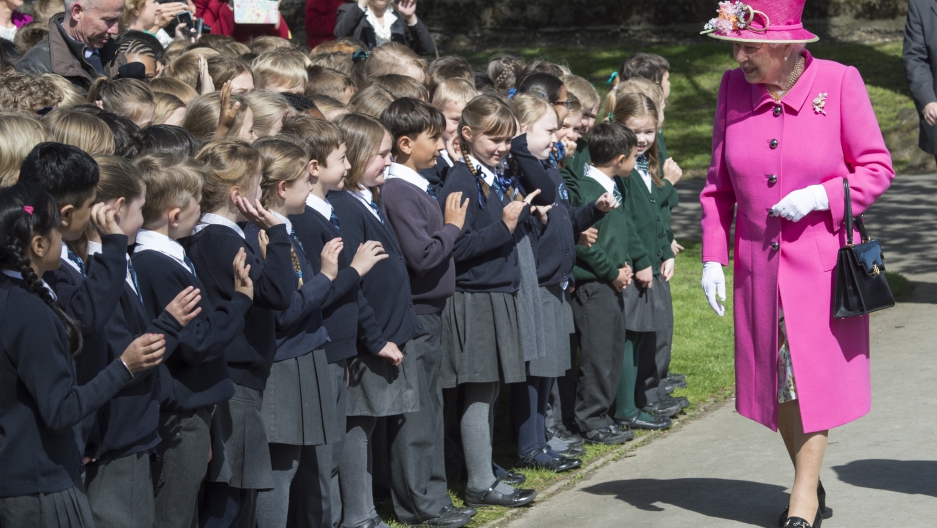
195, 377
426, 238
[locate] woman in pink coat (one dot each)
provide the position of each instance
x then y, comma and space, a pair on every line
789, 128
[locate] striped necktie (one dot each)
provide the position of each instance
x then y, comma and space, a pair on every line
377, 211
334, 220
430, 191
133, 277
188, 262
72, 256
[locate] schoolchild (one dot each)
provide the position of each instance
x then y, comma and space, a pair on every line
194, 378
647, 306
602, 271
39, 393
240, 464
450, 98
425, 235
479, 323
297, 407
118, 477
315, 498
383, 381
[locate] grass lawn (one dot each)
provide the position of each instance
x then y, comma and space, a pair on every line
697, 69
702, 349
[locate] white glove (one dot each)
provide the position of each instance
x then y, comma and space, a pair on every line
714, 283
800, 203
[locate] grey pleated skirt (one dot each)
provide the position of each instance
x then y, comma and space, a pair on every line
480, 339
530, 314
648, 309
377, 388
63, 509
240, 454
557, 324
298, 407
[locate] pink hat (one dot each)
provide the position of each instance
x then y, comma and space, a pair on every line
772, 21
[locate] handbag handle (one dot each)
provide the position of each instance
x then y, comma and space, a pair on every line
849, 218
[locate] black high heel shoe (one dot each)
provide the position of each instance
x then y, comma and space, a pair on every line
821, 496
797, 522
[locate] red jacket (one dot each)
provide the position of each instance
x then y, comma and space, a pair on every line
220, 17
320, 20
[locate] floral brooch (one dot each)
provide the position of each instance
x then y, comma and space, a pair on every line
734, 16
819, 103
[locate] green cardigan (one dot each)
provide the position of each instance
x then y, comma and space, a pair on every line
645, 210
575, 168
669, 199
614, 246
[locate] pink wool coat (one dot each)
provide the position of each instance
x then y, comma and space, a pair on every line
791, 264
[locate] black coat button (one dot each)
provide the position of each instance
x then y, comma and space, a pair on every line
777, 110
774, 246
774, 143
772, 178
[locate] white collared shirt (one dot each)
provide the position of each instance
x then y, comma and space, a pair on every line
95, 248
445, 156
607, 183
19, 276
286, 221
151, 240
365, 196
69, 261
487, 175
321, 206
402, 172
211, 218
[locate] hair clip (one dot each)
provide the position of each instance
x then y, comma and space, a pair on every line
511, 93
29, 209
611, 78
610, 116
360, 55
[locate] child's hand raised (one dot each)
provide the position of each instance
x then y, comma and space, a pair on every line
672, 171
456, 209
329, 256
262, 241
606, 203
511, 213
229, 111
208, 85
454, 148
145, 352
368, 254
588, 237
256, 214
645, 277
185, 306
391, 353
242, 274
104, 219
667, 269
542, 212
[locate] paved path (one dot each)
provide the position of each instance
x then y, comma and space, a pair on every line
724, 470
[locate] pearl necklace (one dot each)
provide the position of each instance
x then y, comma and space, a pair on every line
798, 70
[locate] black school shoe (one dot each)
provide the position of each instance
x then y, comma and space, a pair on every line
491, 497
556, 465
658, 423
669, 407
449, 517
798, 522
561, 432
467, 510
607, 436
513, 478
573, 451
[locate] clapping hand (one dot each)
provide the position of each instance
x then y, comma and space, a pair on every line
208, 85
229, 111
185, 307
329, 256
606, 203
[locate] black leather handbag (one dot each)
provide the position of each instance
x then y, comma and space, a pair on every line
861, 286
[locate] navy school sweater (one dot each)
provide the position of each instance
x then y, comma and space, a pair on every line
425, 241
436, 175
386, 287
486, 254
194, 374
40, 400
127, 424
345, 304
212, 251
299, 328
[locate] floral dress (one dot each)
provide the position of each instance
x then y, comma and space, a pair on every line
787, 389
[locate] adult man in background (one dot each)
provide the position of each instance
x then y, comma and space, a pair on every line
920, 65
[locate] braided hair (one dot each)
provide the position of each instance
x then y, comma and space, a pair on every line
27, 211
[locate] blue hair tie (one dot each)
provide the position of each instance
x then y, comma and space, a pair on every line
511, 93
360, 55
611, 78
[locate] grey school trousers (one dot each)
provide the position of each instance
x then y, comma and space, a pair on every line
598, 311
120, 492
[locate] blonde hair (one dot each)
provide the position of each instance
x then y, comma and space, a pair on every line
231, 163
202, 116
224, 44
27, 92
171, 181
119, 179
175, 87
371, 101
401, 86
267, 107
18, 136
282, 160
69, 95
174, 50
637, 85
265, 43
392, 57
453, 91
282, 67
486, 115
88, 132
125, 97
222, 69
129, 7
166, 104
319, 138
185, 66
326, 81
363, 137
530, 108
583, 90
330, 108
335, 60
347, 45
630, 105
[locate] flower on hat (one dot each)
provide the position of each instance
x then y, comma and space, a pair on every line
731, 18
